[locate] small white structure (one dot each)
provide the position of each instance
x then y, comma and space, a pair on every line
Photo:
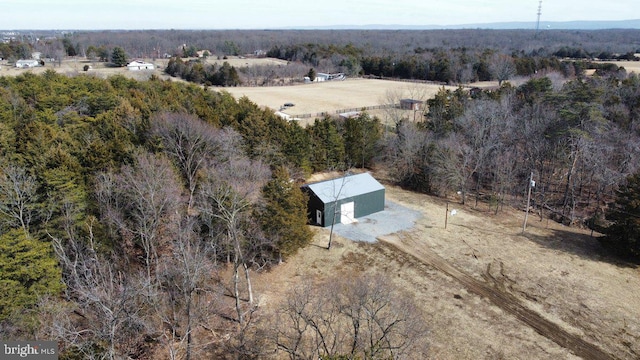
23, 64
140, 65
320, 77
349, 115
283, 115
36, 55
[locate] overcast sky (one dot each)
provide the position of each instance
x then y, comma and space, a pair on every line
269, 14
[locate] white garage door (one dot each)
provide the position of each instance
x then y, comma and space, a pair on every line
347, 213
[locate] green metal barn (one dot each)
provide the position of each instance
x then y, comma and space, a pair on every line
344, 199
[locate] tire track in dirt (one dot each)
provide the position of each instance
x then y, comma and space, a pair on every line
506, 301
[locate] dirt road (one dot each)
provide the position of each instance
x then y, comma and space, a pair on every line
494, 292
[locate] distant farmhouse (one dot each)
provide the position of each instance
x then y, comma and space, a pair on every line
24, 64
320, 77
343, 200
329, 77
140, 65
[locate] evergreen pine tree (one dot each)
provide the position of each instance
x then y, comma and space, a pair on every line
312, 74
284, 216
623, 236
28, 271
118, 57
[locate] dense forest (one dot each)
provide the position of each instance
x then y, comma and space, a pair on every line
119, 199
154, 43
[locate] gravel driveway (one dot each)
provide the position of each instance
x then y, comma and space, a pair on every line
394, 218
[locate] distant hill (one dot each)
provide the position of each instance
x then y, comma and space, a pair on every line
566, 25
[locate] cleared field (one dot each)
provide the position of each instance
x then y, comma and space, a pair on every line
630, 66
71, 66
487, 290
76, 66
331, 96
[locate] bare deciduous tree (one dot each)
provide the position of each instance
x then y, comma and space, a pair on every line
140, 201
188, 141
189, 293
109, 311
353, 317
502, 68
407, 153
226, 196
17, 196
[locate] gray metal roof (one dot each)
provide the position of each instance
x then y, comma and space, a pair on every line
345, 187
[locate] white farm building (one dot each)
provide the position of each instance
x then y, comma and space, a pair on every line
140, 65
23, 64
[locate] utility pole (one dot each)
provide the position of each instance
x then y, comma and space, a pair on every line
446, 215
526, 214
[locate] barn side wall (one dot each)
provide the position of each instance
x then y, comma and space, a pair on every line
370, 203
365, 204
314, 204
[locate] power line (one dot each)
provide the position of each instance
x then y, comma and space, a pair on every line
539, 13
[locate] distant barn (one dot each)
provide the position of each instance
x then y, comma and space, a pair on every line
140, 65
344, 199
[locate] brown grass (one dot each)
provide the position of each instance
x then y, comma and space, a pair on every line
331, 96
554, 271
630, 66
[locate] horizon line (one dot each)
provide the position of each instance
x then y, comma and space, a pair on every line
505, 25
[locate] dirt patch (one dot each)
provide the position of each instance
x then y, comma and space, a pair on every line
494, 290
487, 290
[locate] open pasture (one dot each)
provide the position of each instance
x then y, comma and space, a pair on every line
630, 66
332, 96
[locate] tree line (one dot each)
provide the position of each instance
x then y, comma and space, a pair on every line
155, 43
450, 65
577, 136
198, 72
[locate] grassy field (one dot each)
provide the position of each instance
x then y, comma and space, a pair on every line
332, 96
630, 66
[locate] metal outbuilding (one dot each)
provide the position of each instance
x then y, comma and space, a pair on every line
344, 199
31, 63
